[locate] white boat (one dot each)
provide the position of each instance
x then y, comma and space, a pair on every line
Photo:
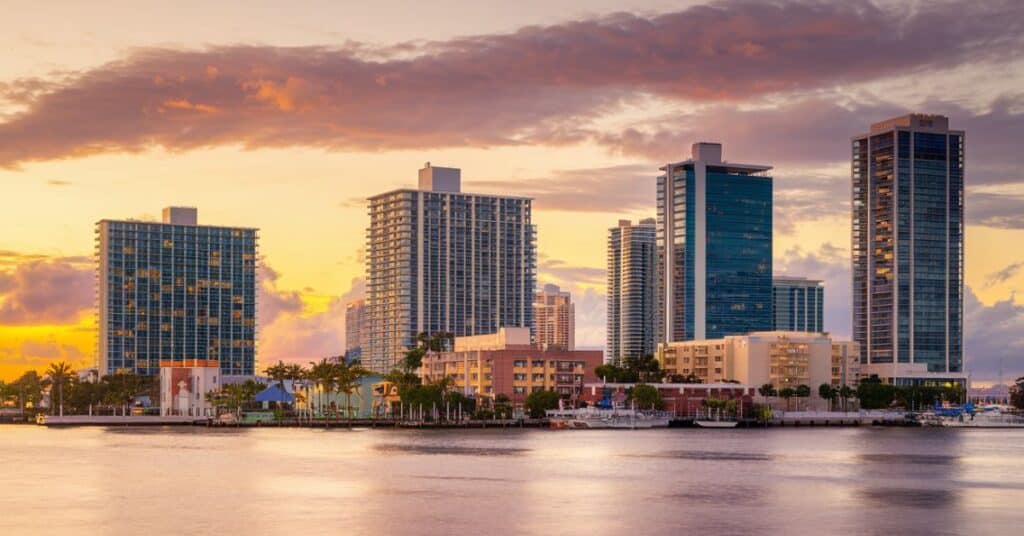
594, 418
985, 419
716, 419
716, 424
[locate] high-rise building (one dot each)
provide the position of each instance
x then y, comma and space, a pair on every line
798, 304
176, 294
907, 249
632, 259
714, 247
554, 318
440, 260
355, 326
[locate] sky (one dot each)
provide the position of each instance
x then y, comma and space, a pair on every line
286, 115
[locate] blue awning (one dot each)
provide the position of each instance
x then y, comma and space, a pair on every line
274, 393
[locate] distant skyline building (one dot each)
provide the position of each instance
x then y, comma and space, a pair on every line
907, 249
176, 294
632, 268
798, 304
714, 243
440, 260
355, 329
554, 317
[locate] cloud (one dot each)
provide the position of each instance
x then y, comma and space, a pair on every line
608, 189
1005, 211
993, 338
559, 270
536, 85
52, 291
1003, 275
274, 302
292, 335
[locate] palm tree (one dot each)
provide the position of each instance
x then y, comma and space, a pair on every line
59, 373
322, 376
826, 392
803, 391
348, 378
845, 393
787, 393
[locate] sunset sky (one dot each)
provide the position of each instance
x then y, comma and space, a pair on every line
286, 116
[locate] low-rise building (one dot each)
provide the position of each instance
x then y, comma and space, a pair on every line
183, 388
781, 358
506, 363
681, 399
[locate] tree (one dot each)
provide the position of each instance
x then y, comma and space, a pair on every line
29, 389
845, 394
1017, 393
347, 378
826, 392
538, 402
767, 390
502, 406
60, 374
874, 394
646, 397
689, 378
787, 393
322, 376
123, 388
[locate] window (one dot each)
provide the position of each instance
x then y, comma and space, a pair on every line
519, 363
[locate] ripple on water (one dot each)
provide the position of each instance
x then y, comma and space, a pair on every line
909, 497
706, 455
451, 450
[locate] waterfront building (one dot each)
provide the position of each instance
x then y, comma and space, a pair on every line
798, 304
183, 389
355, 330
714, 242
681, 399
781, 358
443, 261
907, 249
507, 363
845, 363
372, 396
176, 294
632, 302
554, 317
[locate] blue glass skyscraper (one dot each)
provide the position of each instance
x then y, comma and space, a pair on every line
798, 304
176, 294
907, 249
714, 243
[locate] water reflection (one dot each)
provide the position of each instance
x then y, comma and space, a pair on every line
263, 481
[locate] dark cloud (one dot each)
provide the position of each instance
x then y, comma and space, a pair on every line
539, 84
608, 189
53, 291
559, 270
1004, 275
1005, 211
993, 337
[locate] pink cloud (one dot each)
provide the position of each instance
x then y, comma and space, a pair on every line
52, 291
536, 85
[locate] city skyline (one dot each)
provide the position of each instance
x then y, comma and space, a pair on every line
588, 159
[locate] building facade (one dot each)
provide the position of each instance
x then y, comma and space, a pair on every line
845, 363
507, 363
176, 294
781, 358
554, 317
907, 249
355, 330
632, 298
439, 260
798, 304
714, 239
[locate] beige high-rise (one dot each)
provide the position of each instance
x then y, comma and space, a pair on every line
554, 317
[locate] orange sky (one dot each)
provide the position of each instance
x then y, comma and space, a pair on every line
117, 121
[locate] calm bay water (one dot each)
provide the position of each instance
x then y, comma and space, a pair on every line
291, 481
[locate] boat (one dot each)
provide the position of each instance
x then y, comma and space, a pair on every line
600, 418
715, 419
967, 416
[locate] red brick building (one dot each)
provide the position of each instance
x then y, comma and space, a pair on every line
681, 399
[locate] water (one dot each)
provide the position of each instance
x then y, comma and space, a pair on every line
296, 481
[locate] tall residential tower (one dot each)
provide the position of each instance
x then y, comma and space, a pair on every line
714, 247
176, 294
554, 317
355, 330
907, 249
798, 304
440, 260
632, 258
